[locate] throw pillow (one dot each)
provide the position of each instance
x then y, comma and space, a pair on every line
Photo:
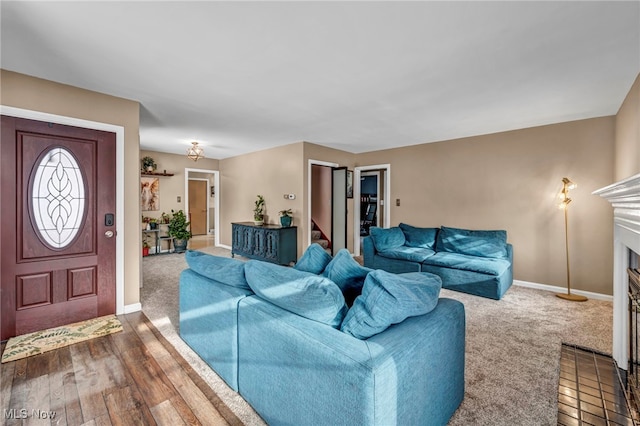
386, 238
347, 274
222, 269
308, 295
314, 259
473, 242
419, 237
388, 299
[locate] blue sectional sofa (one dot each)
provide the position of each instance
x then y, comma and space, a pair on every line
297, 351
470, 261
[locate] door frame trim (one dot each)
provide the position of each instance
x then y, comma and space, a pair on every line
356, 196
119, 131
216, 199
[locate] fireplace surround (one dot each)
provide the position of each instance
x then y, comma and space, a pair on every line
624, 197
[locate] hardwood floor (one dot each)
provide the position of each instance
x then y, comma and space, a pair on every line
134, 377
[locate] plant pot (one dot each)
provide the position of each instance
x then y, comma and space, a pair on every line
153, 225
180, 246
150, 169
285, 221
145, 251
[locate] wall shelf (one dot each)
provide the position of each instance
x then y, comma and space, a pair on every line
155, 174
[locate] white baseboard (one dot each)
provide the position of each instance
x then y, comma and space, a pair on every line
555, 289
134, 307
224, 246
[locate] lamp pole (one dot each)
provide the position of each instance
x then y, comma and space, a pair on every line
567, 184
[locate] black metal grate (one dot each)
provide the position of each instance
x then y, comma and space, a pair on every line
592, 390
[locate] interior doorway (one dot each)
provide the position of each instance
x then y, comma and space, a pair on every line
372, 187
211, 179
319, 202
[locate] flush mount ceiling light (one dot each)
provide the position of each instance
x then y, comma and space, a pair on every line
195, 152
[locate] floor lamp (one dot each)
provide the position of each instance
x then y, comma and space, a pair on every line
564, 205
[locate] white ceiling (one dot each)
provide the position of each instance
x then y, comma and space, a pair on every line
357, 76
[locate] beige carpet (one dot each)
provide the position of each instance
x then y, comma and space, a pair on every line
53, 338
512, 346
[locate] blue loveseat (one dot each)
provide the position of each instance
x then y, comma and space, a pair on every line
300, 353
470, 261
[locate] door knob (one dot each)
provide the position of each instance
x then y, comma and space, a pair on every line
108, 234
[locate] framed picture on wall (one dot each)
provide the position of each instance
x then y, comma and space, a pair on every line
349, 183
149, 194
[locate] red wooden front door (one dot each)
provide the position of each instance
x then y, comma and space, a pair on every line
57, 225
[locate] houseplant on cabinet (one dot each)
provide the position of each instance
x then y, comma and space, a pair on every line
258, 211
286, 218
178, 231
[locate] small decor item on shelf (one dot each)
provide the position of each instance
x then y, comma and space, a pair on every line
286, 218
258, 211
148, 164
164, 218
178, 231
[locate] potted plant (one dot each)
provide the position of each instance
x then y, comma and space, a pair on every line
148, 164
153, 223
178, 230
285, 218
258, 211
145, 247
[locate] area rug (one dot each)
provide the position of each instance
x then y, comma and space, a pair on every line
53, 338
512, 346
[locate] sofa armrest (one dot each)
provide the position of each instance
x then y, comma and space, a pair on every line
368, 251
412, 373
208, 322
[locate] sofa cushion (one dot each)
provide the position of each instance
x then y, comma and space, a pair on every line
303, 293
483, 265
412, 254
386, 238
347, 274
473, 242
314, 259
419, 237
388, 299
222, 269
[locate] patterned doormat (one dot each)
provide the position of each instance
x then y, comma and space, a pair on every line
53, 338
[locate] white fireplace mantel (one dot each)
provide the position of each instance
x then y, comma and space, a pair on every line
624, 197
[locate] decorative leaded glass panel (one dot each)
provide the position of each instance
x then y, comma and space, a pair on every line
58, 198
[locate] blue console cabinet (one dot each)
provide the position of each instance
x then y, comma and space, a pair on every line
271, 243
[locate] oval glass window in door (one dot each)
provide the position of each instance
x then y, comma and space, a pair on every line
58, 198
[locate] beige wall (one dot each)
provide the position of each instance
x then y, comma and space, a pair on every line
25, 92
627, 160
270, 173
509, 181
273, 173
172, 187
